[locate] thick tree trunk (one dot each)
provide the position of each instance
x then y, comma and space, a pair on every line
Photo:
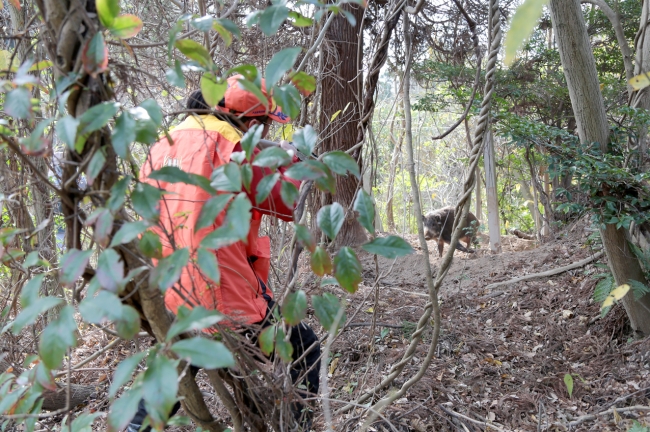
589, 109
341, 91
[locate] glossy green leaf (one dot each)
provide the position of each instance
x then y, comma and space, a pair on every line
124, 409
211, 210
326, 183
57, 337
305, 139
123, 134
330, 219
320, 262
300, 20
107, 10
95, 166
266, 340
66, 130
282, 347
250, 140
118, 194
128, 232
126, 26
31, 313
160, 386
304, 236
124, 372
246, 176
203, 23
289, 193
305, 83
110, 270
223, 32
347, 269
84, 422
197, 318
33, 259
150, 245
172, 174
97, 117
255, 89
207, 262
248, 71
238, 216
175, 75
288, 97
227, 178
327, 308
145, 201
36, 144
169, 269
265, 186
73, 264
523, 23
102, 226
280, 63
30, 291
205, 353
364, 205
153, 109
194, 51
341, 163
568, 381
18, 103
104, 306
389, 247
294, 308
219, 238
223, 25
272, 18
212, 89
94, 55
306, 170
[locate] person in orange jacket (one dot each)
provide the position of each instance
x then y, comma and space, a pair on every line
199, 145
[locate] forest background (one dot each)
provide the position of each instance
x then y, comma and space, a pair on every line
397, 101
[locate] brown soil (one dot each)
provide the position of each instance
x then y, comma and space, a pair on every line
502, 356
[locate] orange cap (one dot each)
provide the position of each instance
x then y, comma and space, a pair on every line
238, 100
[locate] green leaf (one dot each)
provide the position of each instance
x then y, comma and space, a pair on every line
305, 237
220, 238
66, 130
29, 293
107, 10
57, 337
194, 51
281, 62
327, 309
320, 262
150, 245
389, 247
227, 178
95, 166
145, 201
18, 103
306, 170
126, 26
211, 209
238, 216
326, 183
568, 381
118, 194
341, 162
128, 232
247, 176
330, 219
160, 386
288, 97
364, 205
272, 18
267, 340
97, 117
523, 22
198, 318
33, 259
205, 353
300, 20
175, 75
255, 89
73, 264
94, 55
104, 306
289, 193
265, 186
305, 83
213, 89
124, 371
250, 140
169, 269
123, 134
203, 23
84, 422
102, 219
29, 314
283, 348
228, 25
347, 269
305, 139
207, 262
110, 270
36, 144
172, 174
124, 409
153, 109
128, 324
294, 308
223, 32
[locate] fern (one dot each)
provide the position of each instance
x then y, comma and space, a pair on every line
638, 289
602, 290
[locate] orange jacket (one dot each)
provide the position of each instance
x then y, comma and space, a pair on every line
199, 145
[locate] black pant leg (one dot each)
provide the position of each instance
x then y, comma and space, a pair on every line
303, 338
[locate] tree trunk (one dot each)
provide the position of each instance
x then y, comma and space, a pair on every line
589, 109
341, 91
494, 226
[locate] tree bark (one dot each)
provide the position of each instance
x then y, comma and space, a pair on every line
589, 109
341, 91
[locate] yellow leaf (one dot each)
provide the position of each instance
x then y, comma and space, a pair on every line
640, 81
333, 365
616, 294
335, 115
5, 57
522, 25
370, 310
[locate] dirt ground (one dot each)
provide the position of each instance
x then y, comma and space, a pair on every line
503, 354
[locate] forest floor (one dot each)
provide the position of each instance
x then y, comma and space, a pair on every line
502, 356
